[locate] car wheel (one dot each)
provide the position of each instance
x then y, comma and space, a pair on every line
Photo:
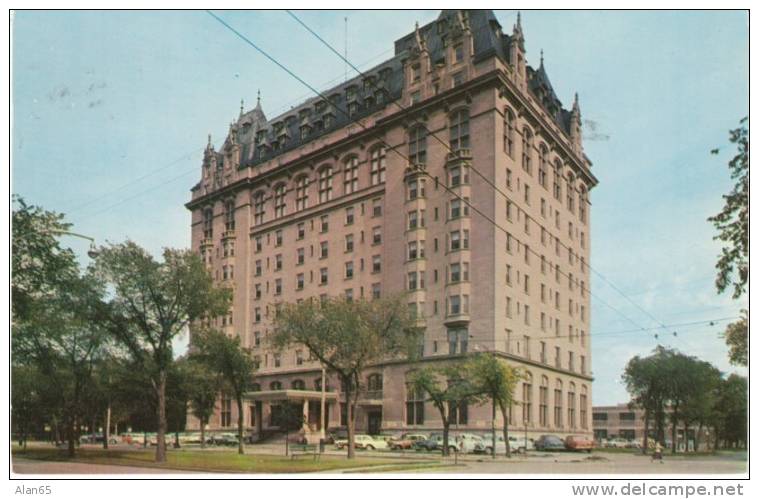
452, 449
521, 450
369, 447
488, 450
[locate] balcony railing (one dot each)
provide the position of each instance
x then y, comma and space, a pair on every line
459, 154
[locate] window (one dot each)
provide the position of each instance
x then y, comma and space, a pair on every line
458, 412
571, 406
543, 165
258, 208
349, 215
527, 150
259, 244
348, 243
278, 238
509, 131
414, 406
229, 215
416, 72
558, 405
376, 264
376, 290
350, 173
374, 386
349, 270
459, 272
415, 188
278, 286
571, 192
557, 180
417, 146
508, 178
377, 159
543, 409
208, 223
301, 193
459, 130
279, 200
257, 338
413, 219
458, 208
527, 400
301, 256
458, 340
299, 281
325, 184
323, 276
412, 282
459, 241
376, 235
458, 78
278, 262
226, 410
458, 52
257, 316
584, 407
298, 384
324, 222
458, 175
377, 207
582, 208
301, 230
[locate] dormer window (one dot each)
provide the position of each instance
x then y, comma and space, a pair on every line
458, 52
305, 131
368, 84
350, 93
352, 108
379, 97
329, 119
416, 73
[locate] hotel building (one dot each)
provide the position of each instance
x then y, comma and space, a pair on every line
346, 196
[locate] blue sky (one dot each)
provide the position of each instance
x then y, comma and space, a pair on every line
111, 112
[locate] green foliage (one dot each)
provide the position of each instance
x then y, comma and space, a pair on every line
736, 337
347, 336
732, 222
39, 266
203, 385
151, 303
730, 417
225, 356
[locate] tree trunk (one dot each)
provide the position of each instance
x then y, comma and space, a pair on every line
349, 422
685, 437
160, 451
504, 413
646, 417
202, 434
240, 422
71, 430
492, 429
107, 432
446, 431
674, 434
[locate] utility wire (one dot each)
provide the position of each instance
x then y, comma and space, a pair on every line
484, 177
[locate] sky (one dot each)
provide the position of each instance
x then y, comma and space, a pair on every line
111, 112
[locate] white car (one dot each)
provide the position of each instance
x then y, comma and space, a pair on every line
516, 444
368, 442
467, 443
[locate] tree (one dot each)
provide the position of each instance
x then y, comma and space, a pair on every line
349, 336
446, 387
27, 404
698, 395
203, 386
736, 337
645, 378
39, 266
64, 342
233, 363
152, 303
290, 417
494, 380
732, 222
730, 415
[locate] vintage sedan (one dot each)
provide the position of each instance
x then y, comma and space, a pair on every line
406, 441
549, 443
578, 443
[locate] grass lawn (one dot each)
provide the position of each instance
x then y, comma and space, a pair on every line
213, 462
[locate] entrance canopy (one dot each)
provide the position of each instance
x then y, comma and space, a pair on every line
299, 395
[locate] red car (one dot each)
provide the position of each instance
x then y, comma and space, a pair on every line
578, 443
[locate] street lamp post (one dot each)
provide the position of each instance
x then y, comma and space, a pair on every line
92, 252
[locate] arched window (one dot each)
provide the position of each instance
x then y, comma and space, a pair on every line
255, 387
571, 406
350, 172
543, 416
557, 179
584, 407
301, 193
417, 146
298, 384
558, 406
459, 130
275, 385
208, 223
258, 208
377, 160
229, 214
527, 399
325, 184
582, 208
543, 166
280, 207
527, 150
509, 131
571, 192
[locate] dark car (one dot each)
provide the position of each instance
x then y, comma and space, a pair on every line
549, 443
335, 435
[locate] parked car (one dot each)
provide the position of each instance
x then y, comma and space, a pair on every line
434, 442
333, 436
97, 438
406, 441
549, 443
361, 441
616, 443
578, 443
466, 443
516, 444
224, 439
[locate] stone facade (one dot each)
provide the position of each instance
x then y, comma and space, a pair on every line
311, 203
